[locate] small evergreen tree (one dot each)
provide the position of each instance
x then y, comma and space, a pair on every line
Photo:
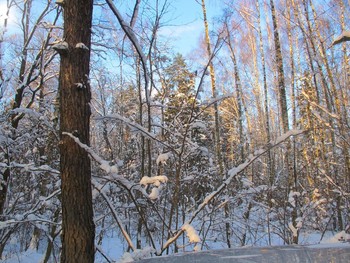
180, 84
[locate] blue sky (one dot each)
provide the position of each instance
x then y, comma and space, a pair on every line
187, 23
184, 21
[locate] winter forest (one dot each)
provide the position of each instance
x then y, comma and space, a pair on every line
112, 142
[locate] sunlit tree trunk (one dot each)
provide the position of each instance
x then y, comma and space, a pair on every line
78, 229
280, 72
269, 166
238, 89
337, 108
214, 94
317, 140
293, 157
345, 96
285, 121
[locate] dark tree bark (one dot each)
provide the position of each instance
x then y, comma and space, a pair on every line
292, 180
77, 212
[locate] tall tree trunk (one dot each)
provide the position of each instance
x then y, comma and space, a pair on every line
280, 71
74, 87
285, 120
214, 94
345, 98
293, 156
340, 124
292, 64
269, 166
239, 97
310, 50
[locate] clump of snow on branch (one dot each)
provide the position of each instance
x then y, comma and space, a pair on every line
163, 158
108, 168
61, 46
191, 233
157, 182
292, 198
79, 85
138, 254
104, 164
217, 99
285, 136
81, 46
154, 193
299, 221
345, 36
29, 112
339, 237
59, 2
293, 229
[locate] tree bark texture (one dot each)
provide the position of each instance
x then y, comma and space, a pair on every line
74, 91
280, 71
214, 94
285, 121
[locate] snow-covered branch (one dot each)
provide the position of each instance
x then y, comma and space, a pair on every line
208, 103
232, 173
134, 125
104, 164
115, 177
115, 215
31, 167
345, 36
335, 116
131, 35
30, 216
110, 169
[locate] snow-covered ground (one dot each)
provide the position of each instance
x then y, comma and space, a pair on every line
115, 250
287, 254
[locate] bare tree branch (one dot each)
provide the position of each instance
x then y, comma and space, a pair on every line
131, 35
231, 175
345, 36
115, 215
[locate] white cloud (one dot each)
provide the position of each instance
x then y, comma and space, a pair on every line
183, 37
181, 30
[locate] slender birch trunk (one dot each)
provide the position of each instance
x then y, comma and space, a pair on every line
214, 94
269, 166
285, 121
